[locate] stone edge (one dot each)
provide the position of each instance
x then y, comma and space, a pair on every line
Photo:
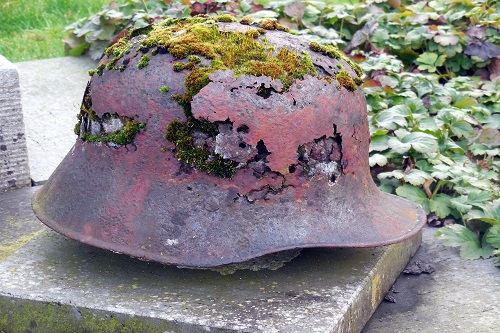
378, 282
20, 315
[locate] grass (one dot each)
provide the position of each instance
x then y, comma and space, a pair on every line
33, 29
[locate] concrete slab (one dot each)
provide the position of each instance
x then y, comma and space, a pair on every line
51, 93
460, 296
53, 284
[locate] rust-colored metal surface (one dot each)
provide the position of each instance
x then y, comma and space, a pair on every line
301, 158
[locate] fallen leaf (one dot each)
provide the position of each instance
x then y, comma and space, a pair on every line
419, 267
477, 31
361, 36
434, 221
482, 49
427, 189
257, 8
198, 8
494, 68
407, 164
448, 222
288, 23
390, 299
295, 10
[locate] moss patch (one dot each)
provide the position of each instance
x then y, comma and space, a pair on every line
37, 317
181, 135
270, 24
122, 137
87, 118
202, 49
333, 52
143, 62
345, 79
241, 52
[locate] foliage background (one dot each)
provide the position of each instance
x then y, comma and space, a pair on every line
34, 29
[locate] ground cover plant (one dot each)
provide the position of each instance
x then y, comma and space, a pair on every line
432, 81
33, 29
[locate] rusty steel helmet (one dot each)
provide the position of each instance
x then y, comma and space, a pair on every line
204, 142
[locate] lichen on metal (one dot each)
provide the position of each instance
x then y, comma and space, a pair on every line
240, 142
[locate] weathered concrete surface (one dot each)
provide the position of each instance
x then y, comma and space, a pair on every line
14, 170
51, 93
17, 226
58, 285
460, 296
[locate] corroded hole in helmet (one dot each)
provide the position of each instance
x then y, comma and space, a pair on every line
205, 142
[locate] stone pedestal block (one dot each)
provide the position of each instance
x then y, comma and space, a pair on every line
14, 169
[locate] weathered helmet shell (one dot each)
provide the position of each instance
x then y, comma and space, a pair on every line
141, 200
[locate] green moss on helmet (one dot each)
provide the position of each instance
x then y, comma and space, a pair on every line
180, 134
345, 80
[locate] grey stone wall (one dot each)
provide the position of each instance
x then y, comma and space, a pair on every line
14, 169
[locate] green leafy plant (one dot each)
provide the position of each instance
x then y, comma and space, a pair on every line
438, 145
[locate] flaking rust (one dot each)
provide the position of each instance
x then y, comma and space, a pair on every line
243, 155
283, 121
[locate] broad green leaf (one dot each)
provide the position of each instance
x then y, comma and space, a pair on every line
492, 236
462, 128
478, 197
489, 174
398, 146
428, 124
440, 60
400, 133
379, 132
380, 36
446, 40
379, 143
312, 11
414, 194
429, 61
390, 182
390, 120
79, 50
474, 181
465, 103
421, 142
398, 174
461, 204
480, 149
440, 204
264, 3
429, 68
264, 14
414, 37
416, 177
387, 81
492, 121
377, 159
424, 166
458, 235
489, 213
452, 146
472, 251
